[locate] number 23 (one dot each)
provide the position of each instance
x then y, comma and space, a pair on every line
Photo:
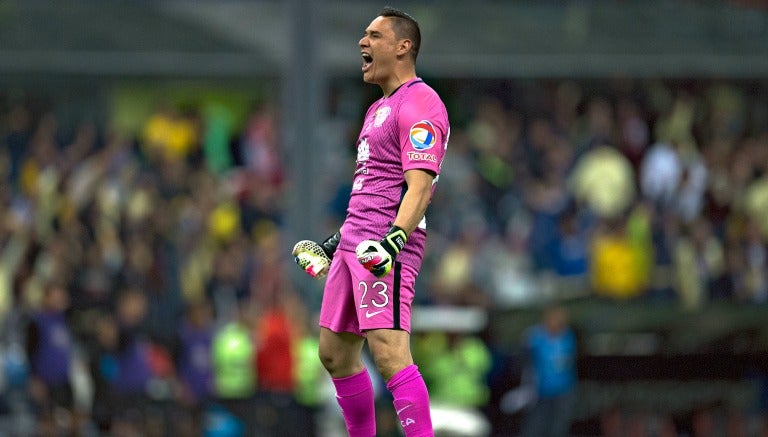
379, 287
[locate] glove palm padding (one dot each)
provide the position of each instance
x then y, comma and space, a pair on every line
311, 258
315, 259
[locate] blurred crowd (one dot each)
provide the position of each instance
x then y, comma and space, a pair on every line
139, 285
623, 189
143, 275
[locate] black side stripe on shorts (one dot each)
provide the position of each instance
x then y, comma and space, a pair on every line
396, 297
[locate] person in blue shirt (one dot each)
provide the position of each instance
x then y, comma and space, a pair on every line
551, 352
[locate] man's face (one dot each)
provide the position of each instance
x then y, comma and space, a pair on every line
555, 320
378, 47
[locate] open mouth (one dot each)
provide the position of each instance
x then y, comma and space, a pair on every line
367, 61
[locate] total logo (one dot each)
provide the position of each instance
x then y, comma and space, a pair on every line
421, 156
423, 135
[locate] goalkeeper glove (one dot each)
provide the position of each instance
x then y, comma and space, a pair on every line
314, 258
378, 257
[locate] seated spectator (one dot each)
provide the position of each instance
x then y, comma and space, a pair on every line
619, 265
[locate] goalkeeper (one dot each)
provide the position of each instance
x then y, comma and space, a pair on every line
377, 254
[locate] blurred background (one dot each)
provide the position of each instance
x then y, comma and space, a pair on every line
598, 252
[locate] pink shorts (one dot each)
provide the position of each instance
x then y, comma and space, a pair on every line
354, 300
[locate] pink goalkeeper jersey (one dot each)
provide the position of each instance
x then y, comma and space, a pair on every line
407, 130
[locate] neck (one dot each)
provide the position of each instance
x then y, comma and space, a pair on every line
396, 82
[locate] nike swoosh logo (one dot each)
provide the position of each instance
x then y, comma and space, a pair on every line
403, 409
369, 314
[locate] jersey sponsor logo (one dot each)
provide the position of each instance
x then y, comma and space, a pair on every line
363, 150
357, 185
381, 116
421, 156
423, 135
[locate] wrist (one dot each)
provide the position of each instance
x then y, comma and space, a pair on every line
394, 240
330, 244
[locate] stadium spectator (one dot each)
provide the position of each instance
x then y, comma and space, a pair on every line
234, 375
103, 349
551, 353
454, 281
456, 366
619, 265
309, 375
49, 350
569, 252
131, 361
504, 266
170, 135
699, 265
660, 173
603, 182
257, 149
274, 353
194, 363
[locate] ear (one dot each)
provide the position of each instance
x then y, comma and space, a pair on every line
404, 46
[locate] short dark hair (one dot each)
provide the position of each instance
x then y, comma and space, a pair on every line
404, 26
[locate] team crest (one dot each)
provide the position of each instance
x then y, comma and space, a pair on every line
423, 135
381, 115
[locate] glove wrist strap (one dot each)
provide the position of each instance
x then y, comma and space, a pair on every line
330, 244
394, 241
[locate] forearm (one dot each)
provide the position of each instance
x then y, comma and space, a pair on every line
415, 200
412, 209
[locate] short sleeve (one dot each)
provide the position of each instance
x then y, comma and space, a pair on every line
423, 131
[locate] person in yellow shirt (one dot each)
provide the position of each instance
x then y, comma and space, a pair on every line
169, 135
620, 263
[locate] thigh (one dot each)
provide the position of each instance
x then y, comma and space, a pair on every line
337, 311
